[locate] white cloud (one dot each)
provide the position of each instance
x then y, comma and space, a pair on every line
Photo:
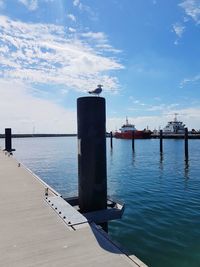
178, 29
192, 9
30, 4
71, 29
84, 8
76, 2
101, 41
71, 17
164, 108
108, 48
21, 111
187, 81
44, 53
95, 35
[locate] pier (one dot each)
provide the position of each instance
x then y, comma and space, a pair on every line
176, 136
35, 233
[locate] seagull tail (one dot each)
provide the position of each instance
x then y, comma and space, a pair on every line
89, 92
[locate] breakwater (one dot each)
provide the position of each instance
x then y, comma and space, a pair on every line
38, 135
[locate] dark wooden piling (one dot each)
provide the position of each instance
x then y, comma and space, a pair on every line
92, 154
133, 140
111, 140
8, 140
92, 174
161, 141
186, 143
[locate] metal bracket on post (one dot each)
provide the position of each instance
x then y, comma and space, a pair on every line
114, 211
68, 213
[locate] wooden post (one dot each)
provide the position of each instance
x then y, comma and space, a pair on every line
186, 143
133, 140
111, 140
161, 141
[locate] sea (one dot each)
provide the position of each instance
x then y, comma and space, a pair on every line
161, 222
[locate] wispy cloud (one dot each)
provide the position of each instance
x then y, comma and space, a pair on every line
178, 29
101, 41
46, 53
32, 5
72, 29
95, 35
71, 17
192, 9
85, 8
162, 107
190, 80
76, 2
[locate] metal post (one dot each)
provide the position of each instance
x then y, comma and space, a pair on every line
186, 143
161, 141
111, 140
133, 140
92, 176
8, 140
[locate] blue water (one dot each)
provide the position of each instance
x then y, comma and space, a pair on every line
161, 223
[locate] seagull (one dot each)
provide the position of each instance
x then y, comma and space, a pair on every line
96, 91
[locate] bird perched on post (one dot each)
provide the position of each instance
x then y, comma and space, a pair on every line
96, 91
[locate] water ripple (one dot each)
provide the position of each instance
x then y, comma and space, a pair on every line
161, 220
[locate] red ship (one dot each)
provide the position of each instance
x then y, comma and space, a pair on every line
126, 132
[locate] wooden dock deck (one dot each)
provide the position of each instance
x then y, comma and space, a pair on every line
33, 234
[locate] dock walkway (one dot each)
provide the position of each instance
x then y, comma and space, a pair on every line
33, 234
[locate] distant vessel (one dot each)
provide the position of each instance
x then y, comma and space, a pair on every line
126, 132
174, 127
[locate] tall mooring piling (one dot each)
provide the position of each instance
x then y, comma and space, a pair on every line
111, 140
92, 175
161, 141
8, 140
133, 140
186, 143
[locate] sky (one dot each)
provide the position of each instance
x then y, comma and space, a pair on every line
145, 53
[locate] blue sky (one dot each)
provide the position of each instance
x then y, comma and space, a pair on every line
144, 52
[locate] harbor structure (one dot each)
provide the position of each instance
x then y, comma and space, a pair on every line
39, 228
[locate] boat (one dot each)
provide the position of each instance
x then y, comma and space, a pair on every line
174, 127
127, 130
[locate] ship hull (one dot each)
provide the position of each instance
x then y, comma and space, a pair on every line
137, 135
